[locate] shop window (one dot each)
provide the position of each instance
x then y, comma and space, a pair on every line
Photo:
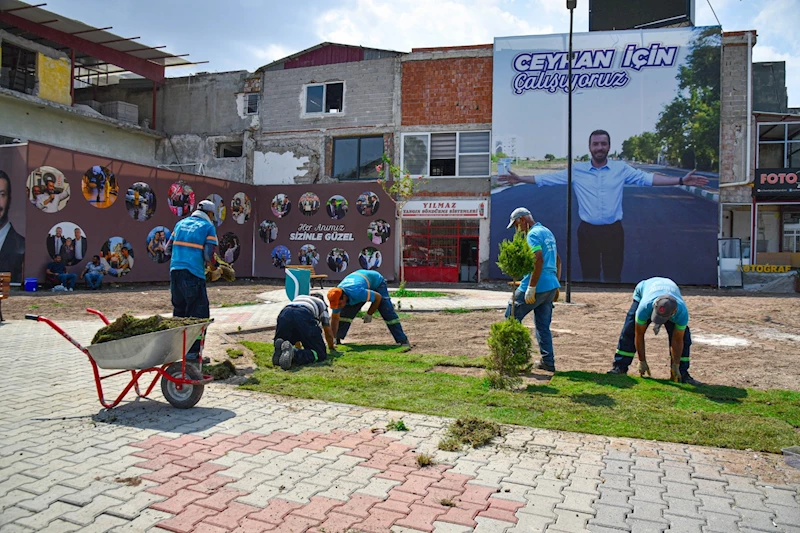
355, 158
441, 250
225, 150
251, 101
325, 98
455, 154
17, 69
779, 145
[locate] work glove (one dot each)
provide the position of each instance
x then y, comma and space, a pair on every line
644, 368
674, 372
367, 319
558, 294
530, 295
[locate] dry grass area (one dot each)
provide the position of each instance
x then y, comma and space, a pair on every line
116, 299
740, 340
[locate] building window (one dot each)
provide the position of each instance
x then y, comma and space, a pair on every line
251, 103
17, 69
779, 145
225, 150
355, 158
456, 154
325, 98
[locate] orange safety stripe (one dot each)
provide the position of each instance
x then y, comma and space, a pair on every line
211, 238
188, 244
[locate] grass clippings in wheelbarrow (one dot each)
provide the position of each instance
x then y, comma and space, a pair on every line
128, 326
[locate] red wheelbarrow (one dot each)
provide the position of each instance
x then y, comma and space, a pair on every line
161, 352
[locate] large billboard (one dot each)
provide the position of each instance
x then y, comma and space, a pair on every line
645, 149
12, 210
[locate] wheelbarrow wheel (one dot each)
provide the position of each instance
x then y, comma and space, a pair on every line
188, 395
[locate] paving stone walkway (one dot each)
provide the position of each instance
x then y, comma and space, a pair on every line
242, 461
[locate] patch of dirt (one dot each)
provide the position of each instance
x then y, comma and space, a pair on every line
116, 299
585, 335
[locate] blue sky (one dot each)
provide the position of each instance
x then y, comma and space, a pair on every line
245, 34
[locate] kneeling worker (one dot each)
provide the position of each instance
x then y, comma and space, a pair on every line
656, 300
352, 293
300, 322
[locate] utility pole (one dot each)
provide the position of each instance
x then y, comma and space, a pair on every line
571, 5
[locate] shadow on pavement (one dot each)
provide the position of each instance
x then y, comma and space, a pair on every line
145, 413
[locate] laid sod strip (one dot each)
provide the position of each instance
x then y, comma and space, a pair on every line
405, 293
617, 406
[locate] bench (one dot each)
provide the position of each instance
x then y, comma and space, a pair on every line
314, 276
5, 289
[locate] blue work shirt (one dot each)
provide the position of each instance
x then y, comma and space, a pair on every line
360, 286
189, 239
541, 238
599, 190
649, 290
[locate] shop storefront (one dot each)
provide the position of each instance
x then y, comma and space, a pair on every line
776, 196
442, 239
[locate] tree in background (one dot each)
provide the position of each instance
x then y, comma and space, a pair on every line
400, 187
688, 127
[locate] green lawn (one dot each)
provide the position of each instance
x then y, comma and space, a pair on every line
406, 293
621, 406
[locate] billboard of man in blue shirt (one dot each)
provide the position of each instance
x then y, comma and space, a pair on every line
598, 186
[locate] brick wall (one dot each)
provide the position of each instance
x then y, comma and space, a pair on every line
733, 118
368, 98
447, 91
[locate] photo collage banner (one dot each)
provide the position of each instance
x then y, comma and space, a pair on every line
78, 205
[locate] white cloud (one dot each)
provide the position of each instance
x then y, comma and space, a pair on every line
270, 53
777, 24
406, 24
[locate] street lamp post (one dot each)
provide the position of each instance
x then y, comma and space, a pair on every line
571, 5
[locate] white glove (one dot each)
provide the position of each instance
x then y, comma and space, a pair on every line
367, 319
530, 295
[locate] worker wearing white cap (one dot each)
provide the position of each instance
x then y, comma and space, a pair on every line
192, 246
539, 289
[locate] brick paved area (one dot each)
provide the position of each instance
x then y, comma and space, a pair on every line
242, 461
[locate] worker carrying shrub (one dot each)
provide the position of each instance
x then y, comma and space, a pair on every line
353, 292
656, 300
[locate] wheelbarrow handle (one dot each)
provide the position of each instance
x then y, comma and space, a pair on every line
32, 317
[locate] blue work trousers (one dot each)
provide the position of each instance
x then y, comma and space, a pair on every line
94, 280
189, 300
542, 309
386, 309
297, 324
626, 347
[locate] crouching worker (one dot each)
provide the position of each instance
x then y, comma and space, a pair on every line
656, 300
352, 293
300, 321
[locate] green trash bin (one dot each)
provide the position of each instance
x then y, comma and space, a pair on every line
297, 282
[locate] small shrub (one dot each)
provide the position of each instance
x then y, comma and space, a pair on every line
509, 351
450, 444
516, 259
396, 425
234, 353
425, 459
472, 431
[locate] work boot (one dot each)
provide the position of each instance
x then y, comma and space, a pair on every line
617, 370
287, 354
405, 345
689, 380
276, 355
541, 365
